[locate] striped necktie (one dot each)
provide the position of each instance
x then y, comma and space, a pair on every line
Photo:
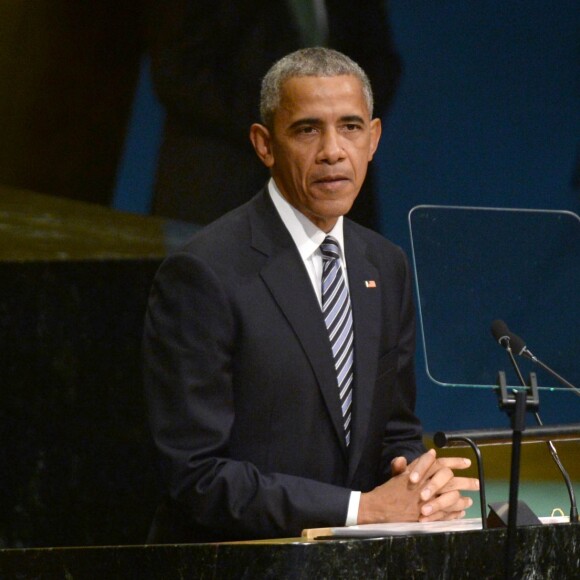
338, 319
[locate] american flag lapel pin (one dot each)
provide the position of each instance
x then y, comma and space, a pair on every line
370, 284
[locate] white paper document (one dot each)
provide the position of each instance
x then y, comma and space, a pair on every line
379, 530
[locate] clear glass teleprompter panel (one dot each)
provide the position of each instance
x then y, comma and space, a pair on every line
475, 265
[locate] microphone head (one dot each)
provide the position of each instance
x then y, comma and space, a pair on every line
506, 337
518, 345
501, 333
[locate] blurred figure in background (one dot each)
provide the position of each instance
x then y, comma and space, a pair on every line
208, 59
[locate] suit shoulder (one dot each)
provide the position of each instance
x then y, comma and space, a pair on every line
376, 243
220, 238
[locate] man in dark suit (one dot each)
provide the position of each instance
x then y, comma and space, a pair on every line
263, 426
208, 59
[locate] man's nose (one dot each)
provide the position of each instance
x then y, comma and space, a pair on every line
331, 150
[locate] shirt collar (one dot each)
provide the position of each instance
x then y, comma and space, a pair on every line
305, 234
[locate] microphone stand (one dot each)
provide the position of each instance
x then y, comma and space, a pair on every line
528, 354
473, 437
567, 480
515, 405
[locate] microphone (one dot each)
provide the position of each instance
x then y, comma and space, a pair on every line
506, 339
512, 342
501, 333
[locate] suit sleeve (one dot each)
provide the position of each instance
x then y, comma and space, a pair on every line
189, 347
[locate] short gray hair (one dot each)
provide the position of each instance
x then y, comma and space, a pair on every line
308, 62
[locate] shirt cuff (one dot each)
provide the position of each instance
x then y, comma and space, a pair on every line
352, 513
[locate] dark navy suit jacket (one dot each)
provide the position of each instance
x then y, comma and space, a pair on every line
241, 386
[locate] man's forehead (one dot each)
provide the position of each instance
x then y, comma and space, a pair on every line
302, 92
309, 82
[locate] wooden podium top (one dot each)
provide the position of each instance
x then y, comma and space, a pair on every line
37, 227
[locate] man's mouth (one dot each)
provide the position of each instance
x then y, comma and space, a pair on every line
331, 179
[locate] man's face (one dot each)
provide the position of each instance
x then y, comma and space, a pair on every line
319, 146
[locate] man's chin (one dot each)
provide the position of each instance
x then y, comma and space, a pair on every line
337, 207
325, 216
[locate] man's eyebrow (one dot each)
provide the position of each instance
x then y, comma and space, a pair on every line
353, 119
316, 121
305, 121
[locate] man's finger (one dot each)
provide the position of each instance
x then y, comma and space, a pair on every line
398, 465
437, 483
420, 467
443, 481
443, 516
448, 502
454, 462
461, 484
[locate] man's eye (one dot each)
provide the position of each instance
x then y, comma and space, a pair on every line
352, 127
307, 130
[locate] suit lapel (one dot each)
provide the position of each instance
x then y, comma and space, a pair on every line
365, 299
287, 279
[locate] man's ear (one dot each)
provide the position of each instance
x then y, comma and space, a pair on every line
262, 142
376, 129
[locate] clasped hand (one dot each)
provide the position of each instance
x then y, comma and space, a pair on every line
424, 490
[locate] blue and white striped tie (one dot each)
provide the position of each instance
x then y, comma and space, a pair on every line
338, 319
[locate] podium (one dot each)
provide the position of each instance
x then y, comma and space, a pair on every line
78, 467
548, 551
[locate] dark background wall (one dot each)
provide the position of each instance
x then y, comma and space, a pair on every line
487, 114
68, 71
